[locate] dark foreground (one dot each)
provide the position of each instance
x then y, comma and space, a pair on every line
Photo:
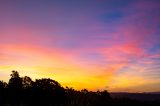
22, 91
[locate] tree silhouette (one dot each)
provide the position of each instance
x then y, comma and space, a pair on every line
3, 86
15, 87
27, 82
47, 92
15, 82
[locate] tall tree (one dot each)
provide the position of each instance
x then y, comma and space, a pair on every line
15, 81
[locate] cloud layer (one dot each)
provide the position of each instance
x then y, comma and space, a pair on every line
111, 43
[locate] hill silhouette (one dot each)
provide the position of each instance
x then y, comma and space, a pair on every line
23, 91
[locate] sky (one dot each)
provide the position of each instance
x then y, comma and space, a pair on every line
92, 44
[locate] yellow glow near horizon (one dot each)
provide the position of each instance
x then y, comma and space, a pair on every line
39, 63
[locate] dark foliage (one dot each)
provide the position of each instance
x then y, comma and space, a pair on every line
22, 91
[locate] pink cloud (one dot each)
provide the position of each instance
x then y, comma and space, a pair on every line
24, 35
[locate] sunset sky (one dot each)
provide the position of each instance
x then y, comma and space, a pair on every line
93, 44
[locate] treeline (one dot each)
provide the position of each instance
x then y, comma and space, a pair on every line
23, 91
